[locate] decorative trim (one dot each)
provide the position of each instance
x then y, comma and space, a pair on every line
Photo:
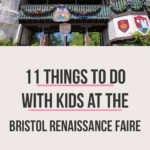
38, 11
147, 7
134, 7
127, 13
51, 10
130, 4
121, 10
84, 13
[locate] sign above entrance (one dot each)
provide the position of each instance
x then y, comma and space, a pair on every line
65, 28
61, 14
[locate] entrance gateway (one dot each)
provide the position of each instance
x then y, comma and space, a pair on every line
115, 20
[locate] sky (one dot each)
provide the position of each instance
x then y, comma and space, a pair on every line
62, 37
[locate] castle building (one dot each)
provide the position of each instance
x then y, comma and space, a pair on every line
115, 20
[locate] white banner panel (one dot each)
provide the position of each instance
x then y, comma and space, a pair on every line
125, 26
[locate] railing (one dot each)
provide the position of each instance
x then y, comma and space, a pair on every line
102, 14
132, 5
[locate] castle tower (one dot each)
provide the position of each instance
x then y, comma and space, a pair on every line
9, 19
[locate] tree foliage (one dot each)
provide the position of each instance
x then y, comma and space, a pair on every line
139, 40
7, 42
55, 40
77, 39
35, 40
94, 38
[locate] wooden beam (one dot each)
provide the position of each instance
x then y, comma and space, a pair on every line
87, 37
65, 40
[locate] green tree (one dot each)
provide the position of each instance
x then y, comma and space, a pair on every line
94, 38
35, 40
55, 40
139, 40
77, 39
7, 42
